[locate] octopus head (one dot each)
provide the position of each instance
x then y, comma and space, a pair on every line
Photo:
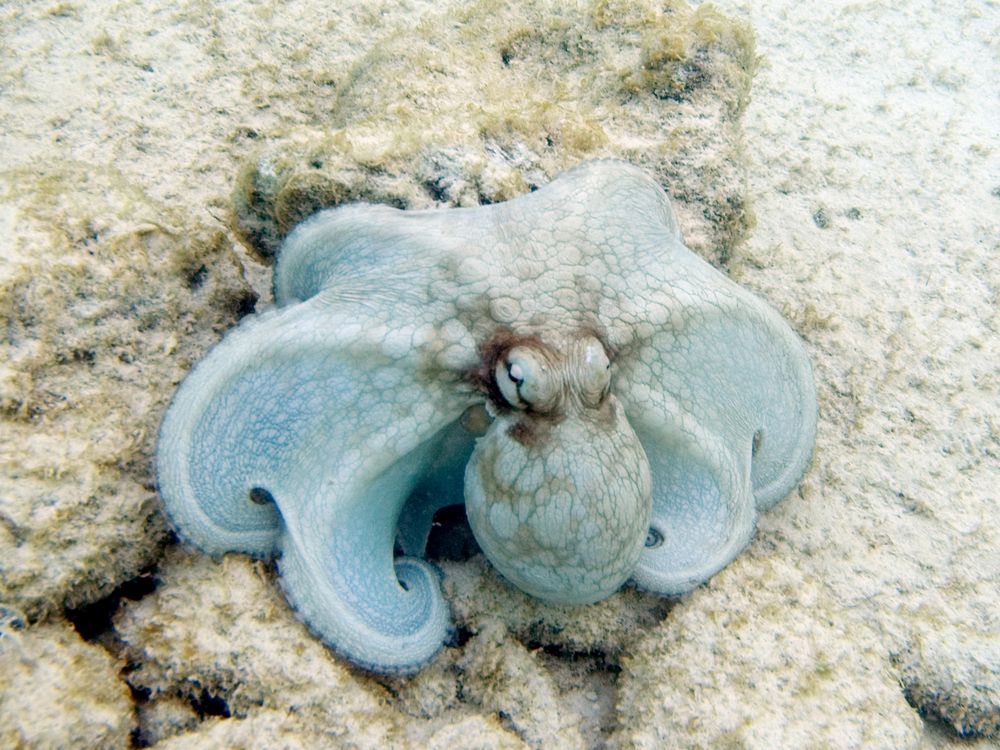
558, 489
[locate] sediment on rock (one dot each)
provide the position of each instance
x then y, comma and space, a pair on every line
111, 297
484, 101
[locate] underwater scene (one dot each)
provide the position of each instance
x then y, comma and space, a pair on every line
606, 374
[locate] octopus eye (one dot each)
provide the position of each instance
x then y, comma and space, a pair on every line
510, 376
525, 380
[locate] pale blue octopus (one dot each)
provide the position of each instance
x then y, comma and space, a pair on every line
607, 405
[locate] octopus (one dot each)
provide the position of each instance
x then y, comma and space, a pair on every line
609, 408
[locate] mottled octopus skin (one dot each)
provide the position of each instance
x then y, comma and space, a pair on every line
644, 409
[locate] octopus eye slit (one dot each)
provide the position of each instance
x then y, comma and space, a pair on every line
758, 440
654, 538
403, 585
261, 496
515, 373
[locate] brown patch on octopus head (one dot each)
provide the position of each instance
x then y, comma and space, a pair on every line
524, 432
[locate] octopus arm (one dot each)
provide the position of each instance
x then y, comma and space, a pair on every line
722, 398
703, 511
280, 442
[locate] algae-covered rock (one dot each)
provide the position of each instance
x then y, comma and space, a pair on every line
761, 658
164, 716
283, 730
479, 597
473, 733
56, 691
501, 675
99, 286
218, 636
218, 633
277, 730
432, 692
484, 101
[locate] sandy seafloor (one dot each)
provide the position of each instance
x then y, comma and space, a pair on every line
874, 135
874, 146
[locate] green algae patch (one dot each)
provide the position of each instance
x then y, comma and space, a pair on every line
100, 287
679, 59
456, 113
